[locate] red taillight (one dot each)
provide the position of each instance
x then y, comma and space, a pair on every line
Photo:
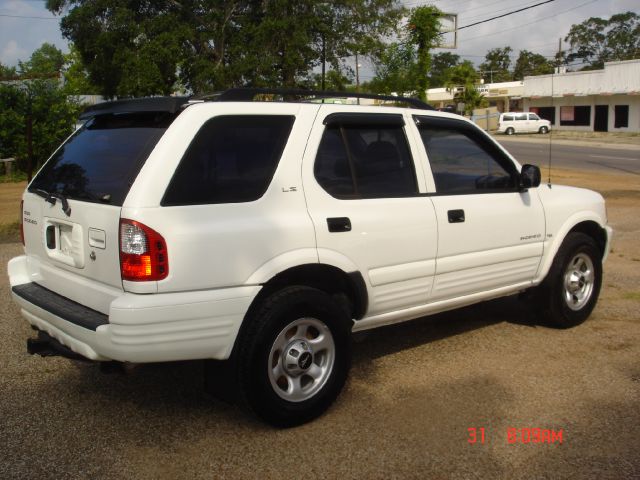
22, 222
143, 253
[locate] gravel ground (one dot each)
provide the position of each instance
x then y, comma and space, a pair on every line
414, 391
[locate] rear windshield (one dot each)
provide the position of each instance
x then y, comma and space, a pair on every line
102, 159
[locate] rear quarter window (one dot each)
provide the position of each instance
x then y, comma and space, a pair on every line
100, 162
231, 160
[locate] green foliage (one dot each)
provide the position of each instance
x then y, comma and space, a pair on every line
46, 61
529, 64
424, 33
599, 40
395, 70
496, 66
40, 106
404, 66
7, 73
76, 77
334, 80
35, 113
440, 64
463, 79
462, 75
133, 48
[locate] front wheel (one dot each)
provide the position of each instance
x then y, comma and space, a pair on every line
570, 292
543, 130
295, 356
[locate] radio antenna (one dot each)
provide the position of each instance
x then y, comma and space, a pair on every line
551, 134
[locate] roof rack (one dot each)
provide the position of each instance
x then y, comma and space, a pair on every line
174, 104
249, 94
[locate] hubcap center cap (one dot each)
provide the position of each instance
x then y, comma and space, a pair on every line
297, 357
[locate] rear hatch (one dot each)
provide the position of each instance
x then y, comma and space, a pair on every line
71, 209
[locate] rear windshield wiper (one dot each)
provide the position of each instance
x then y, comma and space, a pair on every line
51, 198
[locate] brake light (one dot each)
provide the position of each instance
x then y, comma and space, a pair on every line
143, 253
22, 222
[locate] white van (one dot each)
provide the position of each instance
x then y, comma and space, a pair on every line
522, 122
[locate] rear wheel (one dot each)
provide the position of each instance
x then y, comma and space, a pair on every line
570, 292
294, 356
543, 130
510, 131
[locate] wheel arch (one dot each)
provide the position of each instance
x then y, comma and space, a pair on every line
330, 279
588, 226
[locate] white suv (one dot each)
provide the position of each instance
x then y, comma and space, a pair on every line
264, 233
522, 122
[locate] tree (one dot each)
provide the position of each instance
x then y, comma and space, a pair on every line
142, 48
35, 113
496, 66
7, 73
76, 77
440, 65
403, 67
46, 61
462, 80
395, 70
598, 40
529, 64
424, 33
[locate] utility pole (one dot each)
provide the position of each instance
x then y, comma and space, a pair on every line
324, 60
357, 74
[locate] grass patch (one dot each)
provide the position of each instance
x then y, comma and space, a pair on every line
14, 178
632, 296
10, 232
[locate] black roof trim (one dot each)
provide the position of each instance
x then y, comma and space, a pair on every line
148, 104
248, 95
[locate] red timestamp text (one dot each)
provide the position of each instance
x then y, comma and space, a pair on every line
479, 435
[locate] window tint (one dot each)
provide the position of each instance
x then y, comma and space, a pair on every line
533, 116
575, 116
101, 160
508, 118
231, 159
621, 119
460, 163
365, 162
521, 116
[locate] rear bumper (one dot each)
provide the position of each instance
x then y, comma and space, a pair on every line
138, 328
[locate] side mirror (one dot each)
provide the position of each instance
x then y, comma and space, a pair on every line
530, 177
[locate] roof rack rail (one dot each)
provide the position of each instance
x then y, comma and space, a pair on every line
248, 95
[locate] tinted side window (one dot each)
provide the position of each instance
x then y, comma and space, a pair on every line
231, 159
508, 118
365, 162
533, 116
462, 164
521, 116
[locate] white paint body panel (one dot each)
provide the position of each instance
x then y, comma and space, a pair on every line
413, 261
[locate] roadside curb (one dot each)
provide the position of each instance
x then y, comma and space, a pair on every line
617, 144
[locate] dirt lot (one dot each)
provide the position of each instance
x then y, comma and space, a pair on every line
414, 391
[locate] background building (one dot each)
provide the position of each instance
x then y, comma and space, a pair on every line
605, 100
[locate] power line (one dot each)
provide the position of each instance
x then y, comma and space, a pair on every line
531, 22
504, 15
27, 16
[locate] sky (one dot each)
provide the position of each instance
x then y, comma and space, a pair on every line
537, 29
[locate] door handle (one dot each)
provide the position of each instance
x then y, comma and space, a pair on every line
339, 224
455, 216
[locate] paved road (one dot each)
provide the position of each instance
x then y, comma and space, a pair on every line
587, 157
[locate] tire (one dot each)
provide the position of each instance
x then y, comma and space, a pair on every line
569, 293
543, 130
510, 131
294, 356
